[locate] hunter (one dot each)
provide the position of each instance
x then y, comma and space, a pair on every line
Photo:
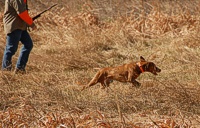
16, 20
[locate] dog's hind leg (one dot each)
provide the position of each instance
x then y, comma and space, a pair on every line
94, 80
103, 85
107, 82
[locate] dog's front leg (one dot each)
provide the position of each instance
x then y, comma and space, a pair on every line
135, 83
130, 76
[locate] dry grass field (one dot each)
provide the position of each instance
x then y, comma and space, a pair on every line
77, 36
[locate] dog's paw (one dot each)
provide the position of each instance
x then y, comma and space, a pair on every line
103, 87
84, 87
136, 84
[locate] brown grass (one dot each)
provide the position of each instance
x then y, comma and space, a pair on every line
75, 37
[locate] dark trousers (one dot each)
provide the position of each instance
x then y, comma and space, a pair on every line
12, 41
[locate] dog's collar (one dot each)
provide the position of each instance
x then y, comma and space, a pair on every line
140, 66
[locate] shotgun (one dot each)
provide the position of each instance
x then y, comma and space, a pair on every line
38, 15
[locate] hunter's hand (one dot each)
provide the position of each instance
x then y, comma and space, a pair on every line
33, 26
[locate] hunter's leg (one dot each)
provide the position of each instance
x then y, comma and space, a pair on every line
12, 41
25, 50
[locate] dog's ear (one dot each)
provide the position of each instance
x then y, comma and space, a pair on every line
142, 59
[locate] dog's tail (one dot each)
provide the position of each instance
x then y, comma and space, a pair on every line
94, 80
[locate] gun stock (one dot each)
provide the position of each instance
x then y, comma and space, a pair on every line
38, 15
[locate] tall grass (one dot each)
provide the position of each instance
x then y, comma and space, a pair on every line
75, 37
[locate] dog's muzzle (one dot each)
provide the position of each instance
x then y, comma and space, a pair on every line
157, 71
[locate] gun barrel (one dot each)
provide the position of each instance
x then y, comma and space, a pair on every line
38, 15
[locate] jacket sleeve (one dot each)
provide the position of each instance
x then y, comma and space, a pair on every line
20, 7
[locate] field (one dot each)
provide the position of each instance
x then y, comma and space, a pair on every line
77, 36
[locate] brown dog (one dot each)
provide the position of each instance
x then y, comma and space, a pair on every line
124, 73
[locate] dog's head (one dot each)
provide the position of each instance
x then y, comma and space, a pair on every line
146, 66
